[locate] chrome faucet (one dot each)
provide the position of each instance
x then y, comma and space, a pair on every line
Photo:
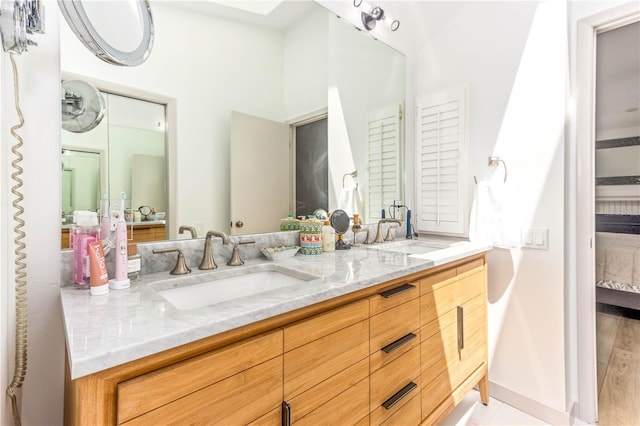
379, 232
191, 229
207, 256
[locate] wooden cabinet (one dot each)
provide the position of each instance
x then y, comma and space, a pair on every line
400, 353
141, 233
394, 358
235, 384
453, 349
326, 370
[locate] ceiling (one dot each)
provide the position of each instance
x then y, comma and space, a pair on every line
277, 15
618, 79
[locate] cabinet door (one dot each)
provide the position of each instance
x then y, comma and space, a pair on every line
238, 400
326, 366
454, 342
150, 391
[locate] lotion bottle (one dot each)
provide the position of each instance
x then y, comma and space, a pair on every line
121, 281
328, 238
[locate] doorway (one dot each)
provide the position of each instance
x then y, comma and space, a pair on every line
585, 202
617, 223
311, 167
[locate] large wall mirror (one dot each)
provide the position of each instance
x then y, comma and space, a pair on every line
292, 65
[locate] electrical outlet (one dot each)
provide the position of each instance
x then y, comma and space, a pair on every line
199, 228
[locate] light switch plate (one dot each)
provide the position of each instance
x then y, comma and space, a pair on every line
535, 238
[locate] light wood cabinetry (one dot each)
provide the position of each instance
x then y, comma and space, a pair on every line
401, 353
239, 383
141, 233
453, 336
394, 358
326, 373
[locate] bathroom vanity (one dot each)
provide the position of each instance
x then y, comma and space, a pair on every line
379, 337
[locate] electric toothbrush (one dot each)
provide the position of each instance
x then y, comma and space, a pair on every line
105, 224
121, 280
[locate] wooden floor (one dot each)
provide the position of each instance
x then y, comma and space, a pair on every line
618, 347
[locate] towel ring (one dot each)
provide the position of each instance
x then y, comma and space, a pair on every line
494, 161
353, 174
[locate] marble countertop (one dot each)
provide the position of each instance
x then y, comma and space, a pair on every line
124, 325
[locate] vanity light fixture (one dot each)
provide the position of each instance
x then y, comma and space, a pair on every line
372, 14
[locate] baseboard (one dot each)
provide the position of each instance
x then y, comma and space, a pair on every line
532, 407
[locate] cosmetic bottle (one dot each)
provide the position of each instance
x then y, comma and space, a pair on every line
134, 262
121, 281
84, 231
328, 237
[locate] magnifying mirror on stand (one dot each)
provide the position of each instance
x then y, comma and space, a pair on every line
340, 222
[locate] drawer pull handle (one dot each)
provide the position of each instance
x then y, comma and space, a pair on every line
399, 395
398, 343
396, 291
286, 414
460, 327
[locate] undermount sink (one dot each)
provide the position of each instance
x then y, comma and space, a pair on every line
196, 291
409, 247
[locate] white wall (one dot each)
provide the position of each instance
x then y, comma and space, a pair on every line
512, 55
42, 394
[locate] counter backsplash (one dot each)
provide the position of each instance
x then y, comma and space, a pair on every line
193, 249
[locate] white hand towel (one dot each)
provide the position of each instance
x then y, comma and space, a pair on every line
493, 217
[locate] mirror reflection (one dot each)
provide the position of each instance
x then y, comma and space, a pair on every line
293, 66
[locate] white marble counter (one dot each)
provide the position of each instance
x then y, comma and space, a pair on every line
105, 331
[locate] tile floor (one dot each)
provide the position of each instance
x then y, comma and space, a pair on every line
470, 411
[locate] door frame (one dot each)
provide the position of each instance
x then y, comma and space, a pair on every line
586, 32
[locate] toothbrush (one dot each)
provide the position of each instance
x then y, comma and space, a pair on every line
121, 281
105, 225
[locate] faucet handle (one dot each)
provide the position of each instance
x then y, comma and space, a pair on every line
235, 256
389, 236
368, 239
181, 267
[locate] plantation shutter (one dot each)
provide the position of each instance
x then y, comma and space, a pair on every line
384, 161
440, 162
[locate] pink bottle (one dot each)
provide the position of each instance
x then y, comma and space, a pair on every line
85, 230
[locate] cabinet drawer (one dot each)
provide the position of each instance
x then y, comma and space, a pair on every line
317, 361
347, 408
393, 324
392, 386
144, 393
329, 389
393, 296
318, 326
238, 400
410, 414
393, 333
